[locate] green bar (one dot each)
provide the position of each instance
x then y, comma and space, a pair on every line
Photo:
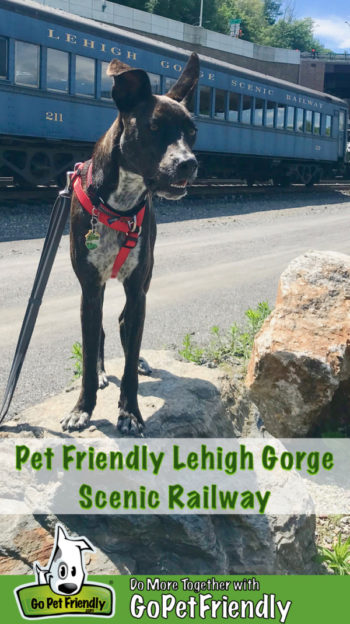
314, 599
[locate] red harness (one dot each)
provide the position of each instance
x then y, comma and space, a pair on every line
130, 225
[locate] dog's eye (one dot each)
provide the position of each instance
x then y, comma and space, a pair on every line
62, 570
153, 126
192, 131
74, 571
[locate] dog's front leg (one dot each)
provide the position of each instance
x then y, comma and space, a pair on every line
131, 322
91, 320
102, 377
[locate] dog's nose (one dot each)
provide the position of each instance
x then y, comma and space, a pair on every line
186, 168
67, 588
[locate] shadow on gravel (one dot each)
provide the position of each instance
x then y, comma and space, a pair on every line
238, 204
25, 221
30, 220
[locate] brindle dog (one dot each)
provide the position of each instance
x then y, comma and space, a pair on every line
147, 150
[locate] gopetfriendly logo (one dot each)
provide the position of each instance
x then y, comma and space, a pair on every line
61, 588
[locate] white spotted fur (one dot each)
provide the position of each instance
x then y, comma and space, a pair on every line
128, 194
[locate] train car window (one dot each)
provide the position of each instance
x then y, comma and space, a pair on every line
259, 112
3, 57
328, 128
317, 123
247, 109
57, 70
85, 76
155, 83
233, 110
308, 121
300, 120
290, 118
106, 82
205, 101
341, 121
270, 114
26, 64
168, 83
281, 111
220, 103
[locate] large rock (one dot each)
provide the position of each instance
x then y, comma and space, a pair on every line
179, 400
299, 372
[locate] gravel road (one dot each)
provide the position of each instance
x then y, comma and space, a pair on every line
213, 261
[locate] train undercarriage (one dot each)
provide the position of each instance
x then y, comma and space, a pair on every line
27, 163
282, 172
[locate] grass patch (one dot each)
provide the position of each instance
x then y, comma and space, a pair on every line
77, 357
337, 558
234, 344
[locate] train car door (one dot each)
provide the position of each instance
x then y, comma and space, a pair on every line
342, 134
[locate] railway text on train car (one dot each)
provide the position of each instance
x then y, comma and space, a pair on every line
129, 54
302, 99
92, 44
250, 86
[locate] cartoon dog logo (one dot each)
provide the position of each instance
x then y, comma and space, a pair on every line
61, 588
65, 572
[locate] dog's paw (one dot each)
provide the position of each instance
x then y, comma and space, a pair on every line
128, 424
143, 367
102, 380
75, 420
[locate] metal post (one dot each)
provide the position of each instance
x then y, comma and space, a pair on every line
201, 15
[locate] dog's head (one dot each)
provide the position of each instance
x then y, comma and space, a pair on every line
66, 572
157, 130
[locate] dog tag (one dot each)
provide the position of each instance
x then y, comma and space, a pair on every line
92, 240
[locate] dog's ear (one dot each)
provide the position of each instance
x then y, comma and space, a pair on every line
131, 86
60, 536
183, 89
84, 544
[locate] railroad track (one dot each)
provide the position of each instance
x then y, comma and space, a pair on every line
221, 188
202, 188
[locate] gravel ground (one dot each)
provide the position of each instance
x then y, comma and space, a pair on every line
328, 528
30, 220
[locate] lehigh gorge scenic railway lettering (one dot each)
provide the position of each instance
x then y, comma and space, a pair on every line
132, 55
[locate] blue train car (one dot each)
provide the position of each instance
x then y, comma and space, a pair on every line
55, 102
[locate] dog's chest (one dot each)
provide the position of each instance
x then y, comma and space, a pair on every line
104, 256
127, 195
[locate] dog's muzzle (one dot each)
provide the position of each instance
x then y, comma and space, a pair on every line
172, 182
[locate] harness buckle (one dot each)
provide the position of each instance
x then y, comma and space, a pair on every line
132, 224
94, 218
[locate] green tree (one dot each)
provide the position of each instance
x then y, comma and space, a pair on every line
272, 11
259, 19
183, 10
252, 16
293, 34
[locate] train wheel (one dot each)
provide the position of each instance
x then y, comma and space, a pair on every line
309, 174
40, 167
281, 179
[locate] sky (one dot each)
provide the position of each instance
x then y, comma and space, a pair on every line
330, 18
